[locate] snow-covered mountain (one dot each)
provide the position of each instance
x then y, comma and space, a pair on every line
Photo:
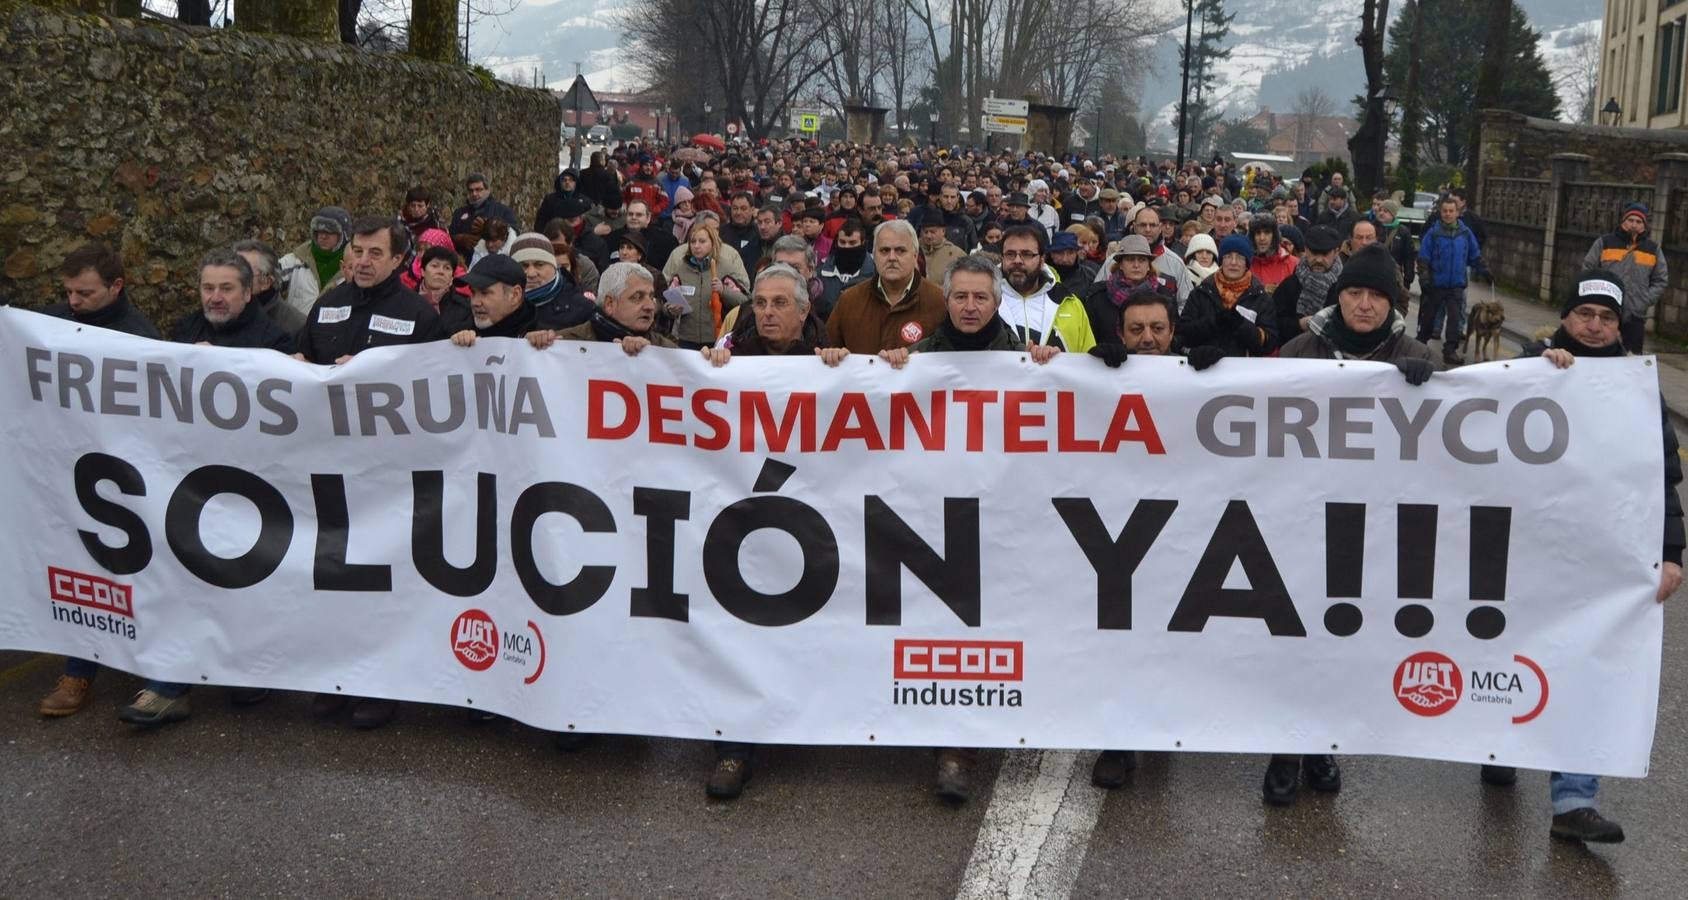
1278, 48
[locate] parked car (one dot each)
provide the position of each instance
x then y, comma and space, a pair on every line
1418, 212
600, 134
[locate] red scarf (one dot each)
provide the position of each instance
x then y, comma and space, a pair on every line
1232, 291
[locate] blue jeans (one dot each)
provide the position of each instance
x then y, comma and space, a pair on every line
80, 668
167, 689
1433, 304
1572, 791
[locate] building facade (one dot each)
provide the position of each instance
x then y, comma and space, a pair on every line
1642, 65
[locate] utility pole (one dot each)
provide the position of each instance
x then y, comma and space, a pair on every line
467, 8
1184, 95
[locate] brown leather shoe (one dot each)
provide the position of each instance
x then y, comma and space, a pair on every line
68, 697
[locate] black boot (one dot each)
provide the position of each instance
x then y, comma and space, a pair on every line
1112, 767
954, 771
1283, 779
1322, 773
371, 713
1499, 776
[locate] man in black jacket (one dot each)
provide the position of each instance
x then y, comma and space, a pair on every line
500, 309
227, 315
471, 218
1589, 326
92, 277
372, 308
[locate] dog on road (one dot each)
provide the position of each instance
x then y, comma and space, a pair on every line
1483, 325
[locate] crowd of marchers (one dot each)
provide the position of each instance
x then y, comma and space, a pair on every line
801, 250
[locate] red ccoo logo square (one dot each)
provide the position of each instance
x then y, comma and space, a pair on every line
960, 660
91, 591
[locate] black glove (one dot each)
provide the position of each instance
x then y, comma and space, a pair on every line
1229, 318
1111, 354
1418, 371
1202, 357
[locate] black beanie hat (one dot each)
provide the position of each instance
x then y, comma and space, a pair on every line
1597, 287
1371, 267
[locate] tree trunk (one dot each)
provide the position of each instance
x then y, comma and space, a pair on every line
1491, 77
433, 30
256, 16
1412, 112
313, 19
193, 12
1367, 144
349, 10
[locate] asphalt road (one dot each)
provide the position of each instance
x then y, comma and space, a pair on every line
265, 802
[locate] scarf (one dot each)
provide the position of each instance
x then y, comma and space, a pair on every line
1315, 287
683, 225
849, 260
608, 329
1201, 272
1120, 290
547, 292
978, 340
1232, 291
327, 261
1562, 340
1328, 324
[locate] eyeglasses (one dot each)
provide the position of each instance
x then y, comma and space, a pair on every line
1603, 316
1020, 254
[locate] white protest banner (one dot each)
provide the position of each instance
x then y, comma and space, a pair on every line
1268, 556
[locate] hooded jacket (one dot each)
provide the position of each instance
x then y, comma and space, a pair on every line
119, 315
1639, 265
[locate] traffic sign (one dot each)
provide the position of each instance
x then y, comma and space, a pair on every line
809, 122
732, 128
1002, 106
1005, 124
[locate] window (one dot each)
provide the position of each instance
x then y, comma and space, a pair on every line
1635, 91
1667, 93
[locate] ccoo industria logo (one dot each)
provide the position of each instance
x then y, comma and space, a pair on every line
990, 666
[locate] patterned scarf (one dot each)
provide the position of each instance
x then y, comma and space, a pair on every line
1315, 287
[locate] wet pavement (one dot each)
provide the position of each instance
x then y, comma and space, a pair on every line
263, 801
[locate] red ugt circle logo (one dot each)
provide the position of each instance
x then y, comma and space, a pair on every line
474, 639
1428, 683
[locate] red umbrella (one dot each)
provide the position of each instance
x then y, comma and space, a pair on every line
708, 140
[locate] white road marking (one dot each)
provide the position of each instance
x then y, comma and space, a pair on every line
1037, 828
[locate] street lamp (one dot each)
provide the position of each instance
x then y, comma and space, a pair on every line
668, 124
1389, 100
933, 136
1612, 110
708, 117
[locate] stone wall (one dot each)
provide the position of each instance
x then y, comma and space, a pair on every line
1519, 146
166, 141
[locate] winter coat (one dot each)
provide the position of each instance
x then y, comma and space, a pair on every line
601, 186
1397, 346
834, 282
1398, 240
252, 328
349, 319
463, 218
120, 315
698, 326
939, 342
1448, 257
587, 331
1342, 221
1638, 265
1104, 316
1274, 270
865, 322
1075, 209
1205, 321
938, 261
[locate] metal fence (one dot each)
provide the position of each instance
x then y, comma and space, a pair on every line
1592, 207
1517, 201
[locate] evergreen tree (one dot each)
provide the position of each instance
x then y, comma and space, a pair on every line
1450, 51
1213, 27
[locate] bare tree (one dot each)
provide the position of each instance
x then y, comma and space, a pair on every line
1311, 105
851, 61
900, 55
1577, 73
